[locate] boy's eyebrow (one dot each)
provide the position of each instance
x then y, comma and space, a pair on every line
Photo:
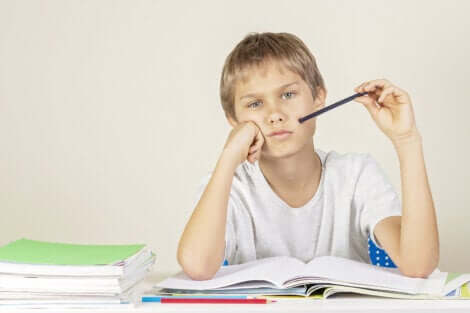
253, 95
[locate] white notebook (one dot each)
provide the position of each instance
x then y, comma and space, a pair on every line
321, 272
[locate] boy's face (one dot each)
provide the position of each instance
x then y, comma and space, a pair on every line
274, 98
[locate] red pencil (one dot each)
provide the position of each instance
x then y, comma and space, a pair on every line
216, 301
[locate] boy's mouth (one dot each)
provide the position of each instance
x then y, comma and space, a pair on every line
280, 134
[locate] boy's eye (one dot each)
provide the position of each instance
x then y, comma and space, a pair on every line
254, 105
288, 95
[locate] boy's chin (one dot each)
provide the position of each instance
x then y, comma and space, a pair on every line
284, 152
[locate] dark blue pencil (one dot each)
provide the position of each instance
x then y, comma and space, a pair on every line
332, 106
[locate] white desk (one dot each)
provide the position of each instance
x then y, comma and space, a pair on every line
337, 304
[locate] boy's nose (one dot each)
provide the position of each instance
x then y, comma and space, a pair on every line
275, 112
276, 117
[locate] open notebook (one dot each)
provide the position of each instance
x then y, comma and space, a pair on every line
327, 275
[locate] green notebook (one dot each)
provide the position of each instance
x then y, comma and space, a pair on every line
52, 253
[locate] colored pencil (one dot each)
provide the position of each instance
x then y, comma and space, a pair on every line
216, 301
149, 298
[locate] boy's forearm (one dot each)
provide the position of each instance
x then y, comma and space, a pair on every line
419, 239
202, 245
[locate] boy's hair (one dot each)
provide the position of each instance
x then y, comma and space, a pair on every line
257, 48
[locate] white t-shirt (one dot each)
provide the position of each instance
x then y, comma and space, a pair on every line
354, 194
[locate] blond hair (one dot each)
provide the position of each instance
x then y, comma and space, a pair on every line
257, 48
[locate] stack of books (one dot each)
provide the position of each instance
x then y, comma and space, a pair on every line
287, 279
43, 274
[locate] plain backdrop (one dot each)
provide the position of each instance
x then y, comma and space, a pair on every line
110, 112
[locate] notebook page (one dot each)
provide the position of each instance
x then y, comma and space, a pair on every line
273, 271
341, 269
456, 282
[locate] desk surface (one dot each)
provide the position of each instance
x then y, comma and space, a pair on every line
336, 304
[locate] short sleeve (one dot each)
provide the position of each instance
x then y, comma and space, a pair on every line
230, 240
374, 197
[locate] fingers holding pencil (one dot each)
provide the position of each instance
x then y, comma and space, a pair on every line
390, 107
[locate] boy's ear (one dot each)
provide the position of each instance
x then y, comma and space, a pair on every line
321, 97
231, 120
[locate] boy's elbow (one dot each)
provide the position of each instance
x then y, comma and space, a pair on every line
196, 269
418, 271
196, 273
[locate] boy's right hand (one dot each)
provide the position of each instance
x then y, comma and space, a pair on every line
244, 143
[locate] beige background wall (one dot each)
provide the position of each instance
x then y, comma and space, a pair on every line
110, 116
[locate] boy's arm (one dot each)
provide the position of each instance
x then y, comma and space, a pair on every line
202, 245
412, 241
412, 244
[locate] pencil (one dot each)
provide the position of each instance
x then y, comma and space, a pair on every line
332, 106
217, 301
154, 298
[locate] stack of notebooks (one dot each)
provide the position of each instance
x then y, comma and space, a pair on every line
44, 274
286, 278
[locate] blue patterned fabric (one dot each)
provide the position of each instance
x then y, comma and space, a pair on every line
378, 256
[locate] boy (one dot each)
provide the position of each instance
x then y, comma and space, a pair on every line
272, 193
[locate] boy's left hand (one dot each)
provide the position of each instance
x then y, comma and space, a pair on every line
390, 108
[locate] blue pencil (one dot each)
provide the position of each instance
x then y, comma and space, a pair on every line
158, 298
